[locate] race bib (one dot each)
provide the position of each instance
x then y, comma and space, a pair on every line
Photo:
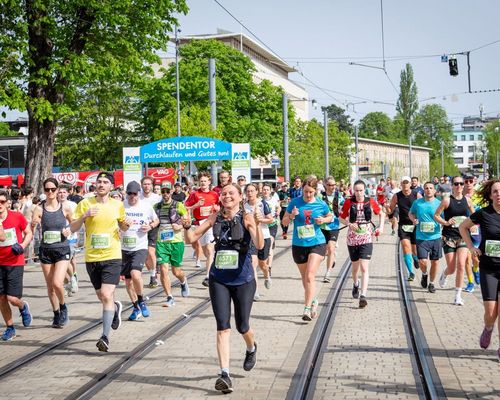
50, 237
408, 228
458, 221
166, 236
427, 227
10, 237
474, 231
205, 211
129, 241
306, 231
361, 231
226, 259
100, 241
492, 248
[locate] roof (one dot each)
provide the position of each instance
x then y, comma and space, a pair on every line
402, 145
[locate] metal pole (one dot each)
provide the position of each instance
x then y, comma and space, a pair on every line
178, 96
468, 70
285, 137
497, 166
213, 109
8, 160
442, 158
410, 156
327, 163
356, 177
484, 164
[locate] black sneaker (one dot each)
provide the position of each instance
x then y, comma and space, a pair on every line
362, 301
56, 322
224, 384
250, 359
64, 316
355, 290
416, 264
117, 319
431, 288
103, 344
205, 283
423, 281
153, 282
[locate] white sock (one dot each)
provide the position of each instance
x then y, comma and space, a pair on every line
152, 273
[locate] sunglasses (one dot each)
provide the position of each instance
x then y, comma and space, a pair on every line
469, 181
3, 201
132, 194
167, 191
47, 190
458, 183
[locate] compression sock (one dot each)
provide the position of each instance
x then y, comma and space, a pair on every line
409, 262
107, 320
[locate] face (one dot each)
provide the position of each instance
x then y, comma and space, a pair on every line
224, 179
157, 189
266, 191
458, 185
178, 189
3, 204
359, 191
308, 193
242, 181
414, 182
251, 192
495, 194
166, 195
103, 186
469, 183
389, 181
204, 182
405, 185
147, 186
50, 190
132, 198
62, 195
230, 197
429, 191
297, 182
330, 185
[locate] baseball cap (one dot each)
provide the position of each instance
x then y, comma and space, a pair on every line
166, 184
133, 187
242, 177
108, 175
405, 178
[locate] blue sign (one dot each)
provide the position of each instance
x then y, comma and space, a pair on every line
186, 148
275, 161
131, 160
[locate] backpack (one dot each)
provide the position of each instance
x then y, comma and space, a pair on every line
353, 211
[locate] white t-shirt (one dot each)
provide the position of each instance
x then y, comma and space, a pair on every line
152, 199
250, 209
134, 239
73, 238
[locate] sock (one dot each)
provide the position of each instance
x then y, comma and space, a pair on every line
470, 278
333, 265
424, 273
252, 349
185, 281
139, 298
107, 320
56, 313
62, 306
135, 304
409, 263
475, 268
415, 258
432, 282
152, 273
224, 371
458, 292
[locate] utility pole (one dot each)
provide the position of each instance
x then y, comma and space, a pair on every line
356, 148
327, 163
285, 137
410, 155
213, 109
178, 97
442, 158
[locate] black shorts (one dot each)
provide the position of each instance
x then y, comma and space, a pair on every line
11, 280
490, 284
361, 252
152, 237
395, 214
133, 260
330, 235
48, 255
107, 272
301, 254
273, 230
407, 235
451, 245
429, 249
262, 254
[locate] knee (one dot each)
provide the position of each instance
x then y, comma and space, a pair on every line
242, 326
106, 297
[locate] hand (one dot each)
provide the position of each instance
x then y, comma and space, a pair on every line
128, 221
17, 249
319, 220
176, 227
451, 222
216, 207
186, 221
475, 251
258, 217
66, 232
353, 227
145, 227
295, 211
377, 232
92, 212
416, 221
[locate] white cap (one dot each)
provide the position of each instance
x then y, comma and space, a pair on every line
405, 178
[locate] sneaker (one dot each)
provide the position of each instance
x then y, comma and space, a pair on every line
362, 301
103, 344
250, 359
458, 301
442, 280
198, 264
485, 338
205, 282
224, 384
153, 282
477, 280
64, 317
306, 316
74, 284
424, 280
314, 308
469, 288
117, 319
9, 334
170, 301
326, 278
185, 289
56, 322
267, 283
411, 277
144, 309
355, 290
416, 264
26, 315
393, 232
67, 290
256, 296
431, 288
136, 314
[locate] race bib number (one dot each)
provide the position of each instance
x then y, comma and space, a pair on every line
226, 259
408, 228
100, 241
166, 236
205, 211
50, 237
474, 231
306, 231
492, 248
427, 227
458, 221
129, 241
10, 237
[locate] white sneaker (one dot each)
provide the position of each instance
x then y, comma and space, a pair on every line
442, 280
267, 283
67, 290
458, 301
256, 297
74, 284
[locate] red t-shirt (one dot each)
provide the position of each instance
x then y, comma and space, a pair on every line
203, 212
380, 194
13, 226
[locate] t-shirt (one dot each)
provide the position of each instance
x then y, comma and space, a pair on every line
306, 233
13, 226
203, 212
444, 188
273, 203
295, 192
364, 235
489, 220
265, 210
133, 238
152, 199
102, 237
181, 196
423, 210
380, 194
335, 224
73, 238
166, 232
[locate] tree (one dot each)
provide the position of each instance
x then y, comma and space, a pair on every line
376, 125
6, 131
344, 121
49, 50
407, 105
492, 141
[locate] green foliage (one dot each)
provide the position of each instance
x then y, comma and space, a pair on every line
344, 121
492, 140
376, 125
407, 105
6, 131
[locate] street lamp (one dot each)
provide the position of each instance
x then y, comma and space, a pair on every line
496, 149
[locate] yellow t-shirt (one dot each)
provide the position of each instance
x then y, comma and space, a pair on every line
102, 239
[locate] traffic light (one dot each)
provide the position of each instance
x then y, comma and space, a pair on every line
453, 64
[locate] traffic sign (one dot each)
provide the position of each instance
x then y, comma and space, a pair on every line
275, 161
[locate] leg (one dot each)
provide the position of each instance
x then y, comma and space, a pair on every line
48, 274
330, 254
165, 279
461, 256
179, 274
434, 270
6, 311
129, 284
59, 272
221, 307
137, 284
450, 263
356, 265
208, 251
106, 296
364, 276
408, 256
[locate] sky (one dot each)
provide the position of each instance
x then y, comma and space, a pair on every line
320, 37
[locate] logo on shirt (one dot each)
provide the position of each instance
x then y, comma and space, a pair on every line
307, 216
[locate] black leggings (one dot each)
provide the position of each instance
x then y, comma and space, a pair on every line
284, 228
242, 296
490, 284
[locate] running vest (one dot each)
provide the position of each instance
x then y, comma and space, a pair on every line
404, 203
334, 205
52, 223
457, 208
353, 210
231, 234
173, 215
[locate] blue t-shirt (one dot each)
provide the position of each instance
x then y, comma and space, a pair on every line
335, 224
427, 228
306, 233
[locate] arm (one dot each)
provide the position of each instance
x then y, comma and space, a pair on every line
392, 205
2, 233
464, 232
27, 236
68, 213
324, 220
36, 217
437, 215
192, 236
253, 226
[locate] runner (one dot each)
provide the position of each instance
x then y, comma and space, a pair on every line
284, 201
428, 235
15, 235
455, 209
55, 251
178, 194
103, 218
170, 243
308, 243
472, 264
224, 179
296, 189
488, 219
134, 244
380, 192
415, 186
273, 202
357, 215
231, 275
334, 199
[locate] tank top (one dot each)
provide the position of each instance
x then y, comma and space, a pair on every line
459, 210
404, 203
53, 222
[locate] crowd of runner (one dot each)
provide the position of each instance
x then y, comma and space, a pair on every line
234, 227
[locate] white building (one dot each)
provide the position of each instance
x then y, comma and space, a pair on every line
468, 148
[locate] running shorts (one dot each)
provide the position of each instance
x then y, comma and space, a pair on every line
133, 260
332, 235
361, 252
429, 249
49, 255
301, 254
170, 253
11, 280
107, 272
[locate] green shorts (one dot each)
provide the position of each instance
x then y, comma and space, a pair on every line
170, 253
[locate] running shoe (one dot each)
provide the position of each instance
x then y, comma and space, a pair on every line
205, 282
393, 232
144, 309
442, 280
411, 277
256, 296
136, 314
326, 278
185, 289
103, 344
355, 290
117, 319
424, 280
485, 338
64, 317
26, 315
224, 384
153, 282
306, 316
268, 283
431, 288
458, 301
74, 284
477, 280
314, 308
362, 301
469, 288
67, 290
170, 301
416, 264
250, 359
56, 322
198, 264
9, 334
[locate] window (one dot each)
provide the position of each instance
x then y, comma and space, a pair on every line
471, 137
479, 137
462, 137
459, 149
472, 148
458, 160
455, 138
